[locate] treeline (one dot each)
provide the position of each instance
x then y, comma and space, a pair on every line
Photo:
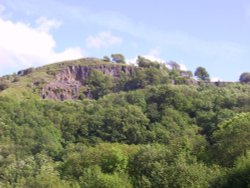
147, 73
159, 136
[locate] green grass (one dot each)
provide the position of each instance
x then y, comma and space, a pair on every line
19, 93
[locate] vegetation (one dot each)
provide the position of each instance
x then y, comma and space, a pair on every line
140, 130
118, 58
245, 77
202, 74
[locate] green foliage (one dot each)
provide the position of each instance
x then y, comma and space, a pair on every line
124, 124
202, 74
142, 131
245, 77
231, 140
118, 58
99, 83
93, 177
174, 66
146, 63
106, 58
157, 166
239, 175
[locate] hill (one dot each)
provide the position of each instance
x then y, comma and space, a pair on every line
74, 79
96, 123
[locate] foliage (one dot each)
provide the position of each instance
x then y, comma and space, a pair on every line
239, 175
245, 77
202, 74
231, 140
118, 58
99, 84
146, 63
137, 131
106, 58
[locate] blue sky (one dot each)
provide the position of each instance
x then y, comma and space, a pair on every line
214, 34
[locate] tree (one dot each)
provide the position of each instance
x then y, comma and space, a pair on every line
118, 58
106, 58
245, 77
146, 63
93, 177
239, 175
202, 74
125, 124
174, 65
156, 166
99, 83
231, 140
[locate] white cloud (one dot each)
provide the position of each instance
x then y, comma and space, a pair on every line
45, 24
69, 53
102, 40
23, 46
183, 67
215, 79
154, 55
170, 65
171, 40
222, 51
132, 61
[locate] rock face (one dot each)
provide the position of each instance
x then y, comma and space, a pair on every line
67, 83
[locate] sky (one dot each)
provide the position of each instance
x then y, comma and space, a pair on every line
214, 34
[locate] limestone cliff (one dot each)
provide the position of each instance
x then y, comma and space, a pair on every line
67, 83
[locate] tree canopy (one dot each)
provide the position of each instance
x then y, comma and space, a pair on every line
118, 58
202, 74
245, 77
148, 128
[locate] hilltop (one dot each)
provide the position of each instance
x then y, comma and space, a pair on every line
75, 79
94, 78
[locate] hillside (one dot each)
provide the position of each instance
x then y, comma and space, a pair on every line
72, 79
101, 124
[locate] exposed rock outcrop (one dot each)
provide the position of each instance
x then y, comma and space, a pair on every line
67, 83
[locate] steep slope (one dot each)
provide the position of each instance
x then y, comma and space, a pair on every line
67, 83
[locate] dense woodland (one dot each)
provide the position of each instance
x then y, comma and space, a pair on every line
156, 128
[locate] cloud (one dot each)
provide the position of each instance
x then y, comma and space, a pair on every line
23, 46
102, 40
222, 51
178, 44
45, 24
215, 79
183, 67
67, 54
183, 42
154, 55
194, 49
132, 61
